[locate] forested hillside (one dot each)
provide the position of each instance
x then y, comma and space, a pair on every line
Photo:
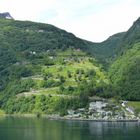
125, 74
105, 51
20, 40
44, 69
40, 59
125, 71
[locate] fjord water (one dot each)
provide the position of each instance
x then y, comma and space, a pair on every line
13, 128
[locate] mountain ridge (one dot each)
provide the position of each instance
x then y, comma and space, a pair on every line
37, 58
6, 15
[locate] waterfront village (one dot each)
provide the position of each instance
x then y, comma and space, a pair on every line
104, 110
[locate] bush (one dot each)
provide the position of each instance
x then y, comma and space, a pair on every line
51, 83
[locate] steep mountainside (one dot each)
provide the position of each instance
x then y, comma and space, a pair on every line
114, 46
20, 39
132, 36
40, 62
45, 69
125, 74
106, 50
125, 71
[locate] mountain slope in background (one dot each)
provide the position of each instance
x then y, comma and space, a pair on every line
125, 71
20, 38
132, 36
6, 15
106, 50
38, 59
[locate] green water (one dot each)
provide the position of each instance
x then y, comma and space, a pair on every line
43, 129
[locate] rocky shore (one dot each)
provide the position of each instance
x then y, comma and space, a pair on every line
57, 117
99, 110
105, 110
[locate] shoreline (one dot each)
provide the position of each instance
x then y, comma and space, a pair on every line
54, 117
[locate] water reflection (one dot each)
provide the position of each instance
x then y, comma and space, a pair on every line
43, 129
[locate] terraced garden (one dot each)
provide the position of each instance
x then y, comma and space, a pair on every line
67, 71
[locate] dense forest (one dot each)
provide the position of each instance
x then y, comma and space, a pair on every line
44, 69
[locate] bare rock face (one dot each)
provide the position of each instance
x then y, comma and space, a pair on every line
6, 15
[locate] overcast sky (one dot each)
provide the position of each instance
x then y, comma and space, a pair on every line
94, 20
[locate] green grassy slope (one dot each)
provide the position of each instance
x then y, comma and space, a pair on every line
40, 59
69, 76
106, 50
125, 74
43, 67
20, 40
125, 70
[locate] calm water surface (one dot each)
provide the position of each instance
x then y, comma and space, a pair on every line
12, 128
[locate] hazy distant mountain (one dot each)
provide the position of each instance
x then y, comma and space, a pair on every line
6, 15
